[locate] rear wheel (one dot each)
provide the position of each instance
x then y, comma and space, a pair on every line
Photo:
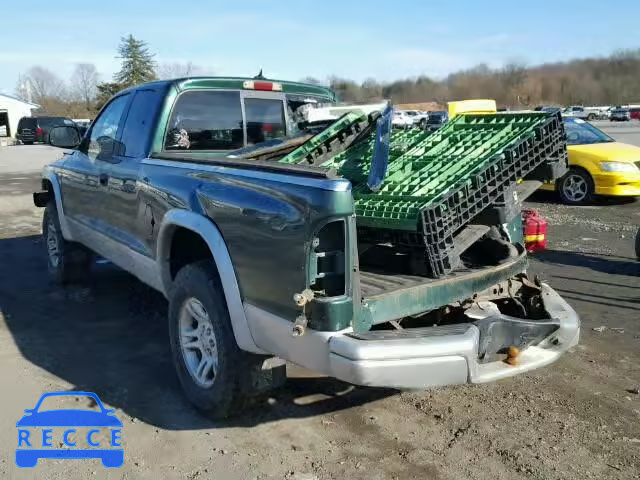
215, 374
67, 262
591, 117
576, 187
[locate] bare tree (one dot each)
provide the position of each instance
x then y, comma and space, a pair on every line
44, 84
166, 71
83, 82
23, 88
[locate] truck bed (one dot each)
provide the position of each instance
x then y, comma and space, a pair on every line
392, 295
379, 283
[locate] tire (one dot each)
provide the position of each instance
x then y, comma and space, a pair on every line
638, 244
576, 187
591, 117
423, 124
68, 262
213, 371
27, 143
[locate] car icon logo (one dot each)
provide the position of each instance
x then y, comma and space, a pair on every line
63, 425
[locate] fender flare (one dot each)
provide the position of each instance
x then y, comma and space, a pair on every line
209, 232
49, 175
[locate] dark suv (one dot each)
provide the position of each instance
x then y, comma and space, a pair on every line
36, 129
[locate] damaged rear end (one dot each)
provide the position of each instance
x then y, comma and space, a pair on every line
425, 284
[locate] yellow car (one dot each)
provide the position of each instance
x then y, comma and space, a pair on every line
598, 165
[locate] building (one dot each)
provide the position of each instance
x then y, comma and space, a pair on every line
12, 109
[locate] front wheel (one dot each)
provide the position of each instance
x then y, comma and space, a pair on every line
67, 262
215, 374
576, 187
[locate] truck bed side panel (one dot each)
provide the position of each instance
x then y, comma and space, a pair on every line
266, 219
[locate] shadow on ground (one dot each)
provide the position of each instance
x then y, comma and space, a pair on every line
609, 264
110, 337
543, 196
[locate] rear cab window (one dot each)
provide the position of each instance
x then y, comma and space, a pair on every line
265, 119
206, 120
224, 120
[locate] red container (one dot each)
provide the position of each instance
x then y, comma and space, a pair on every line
535, 231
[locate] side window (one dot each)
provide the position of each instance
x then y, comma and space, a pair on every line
205, 120
136, 132
265, 119
103, 143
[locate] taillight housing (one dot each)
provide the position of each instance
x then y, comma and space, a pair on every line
327, 260
39, 132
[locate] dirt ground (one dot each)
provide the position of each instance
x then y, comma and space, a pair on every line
576, 419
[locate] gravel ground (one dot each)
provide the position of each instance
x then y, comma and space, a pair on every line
576, 419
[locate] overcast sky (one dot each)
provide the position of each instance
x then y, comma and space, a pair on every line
294, 39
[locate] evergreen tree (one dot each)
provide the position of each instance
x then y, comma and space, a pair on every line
138, 65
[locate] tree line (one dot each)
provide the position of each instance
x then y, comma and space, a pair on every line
610, 80
607, 80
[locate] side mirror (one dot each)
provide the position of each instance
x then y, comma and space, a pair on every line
64, 136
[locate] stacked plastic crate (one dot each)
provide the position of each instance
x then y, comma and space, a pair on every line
437, 183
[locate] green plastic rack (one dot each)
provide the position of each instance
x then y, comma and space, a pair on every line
436, 183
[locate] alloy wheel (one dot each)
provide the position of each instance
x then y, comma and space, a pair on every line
198, 342
575, 188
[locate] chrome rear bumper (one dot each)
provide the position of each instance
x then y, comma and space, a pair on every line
436, 356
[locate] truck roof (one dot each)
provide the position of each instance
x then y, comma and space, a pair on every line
244, 83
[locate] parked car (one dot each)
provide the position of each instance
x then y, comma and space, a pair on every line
634, 113
598, 165
419, 118
402, 119
585, 113
259, 258
436, 120
620, 115
575, 111
36, 129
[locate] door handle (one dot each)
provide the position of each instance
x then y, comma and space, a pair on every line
104, 179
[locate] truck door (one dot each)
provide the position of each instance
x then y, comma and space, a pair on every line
84, 180
127, 220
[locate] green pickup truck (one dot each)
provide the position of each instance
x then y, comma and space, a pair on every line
379, 257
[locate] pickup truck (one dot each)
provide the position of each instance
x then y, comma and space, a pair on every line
178, 182
418, 118
586, 113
